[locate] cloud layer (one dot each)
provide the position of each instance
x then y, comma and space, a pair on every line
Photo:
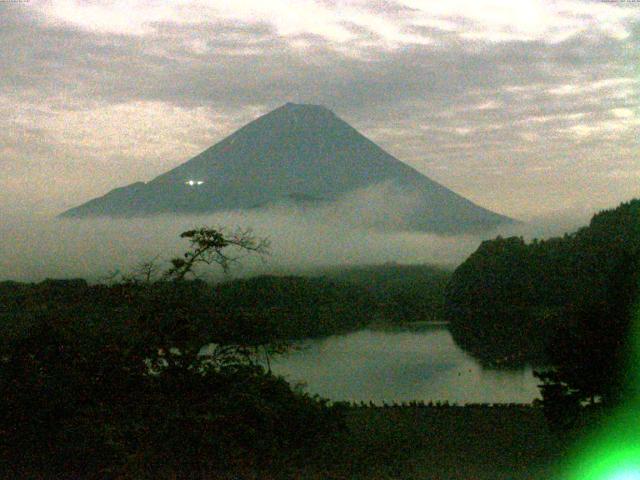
359, 229
302, 238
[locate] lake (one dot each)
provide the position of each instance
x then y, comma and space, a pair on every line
399, 365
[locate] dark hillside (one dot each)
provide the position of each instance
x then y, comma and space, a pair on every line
401, 293
508, 300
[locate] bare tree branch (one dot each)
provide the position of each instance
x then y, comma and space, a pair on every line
208, 246
145, 272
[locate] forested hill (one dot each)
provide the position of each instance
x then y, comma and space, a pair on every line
402, 293
266, 306
509, 298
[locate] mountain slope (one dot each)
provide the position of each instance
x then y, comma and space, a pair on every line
294, 152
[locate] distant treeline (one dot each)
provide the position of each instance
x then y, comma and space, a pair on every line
289, 307
267, 306
510, 300
341, 299
400, 293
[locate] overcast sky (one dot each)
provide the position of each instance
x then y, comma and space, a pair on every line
525, 107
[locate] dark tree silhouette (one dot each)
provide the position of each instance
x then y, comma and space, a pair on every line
210, 246
110, 381
593, 349
508, 299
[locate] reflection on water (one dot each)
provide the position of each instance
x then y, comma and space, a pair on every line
398, 365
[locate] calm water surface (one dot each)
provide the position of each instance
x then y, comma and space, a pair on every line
401, 364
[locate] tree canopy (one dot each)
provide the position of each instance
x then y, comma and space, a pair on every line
565, 303
112, 381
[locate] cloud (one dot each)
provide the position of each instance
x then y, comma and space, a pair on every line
518, 107
490, 20
41, 247
364, 227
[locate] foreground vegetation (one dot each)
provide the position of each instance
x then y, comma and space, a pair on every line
132, 397
112, 381
570, 304
447, 442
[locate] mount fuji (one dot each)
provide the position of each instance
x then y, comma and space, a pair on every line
293, 154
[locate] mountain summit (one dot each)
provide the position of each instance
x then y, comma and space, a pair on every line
293, 153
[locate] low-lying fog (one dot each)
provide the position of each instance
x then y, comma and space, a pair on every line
35, 247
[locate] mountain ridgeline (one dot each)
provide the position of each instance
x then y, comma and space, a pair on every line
295, 154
